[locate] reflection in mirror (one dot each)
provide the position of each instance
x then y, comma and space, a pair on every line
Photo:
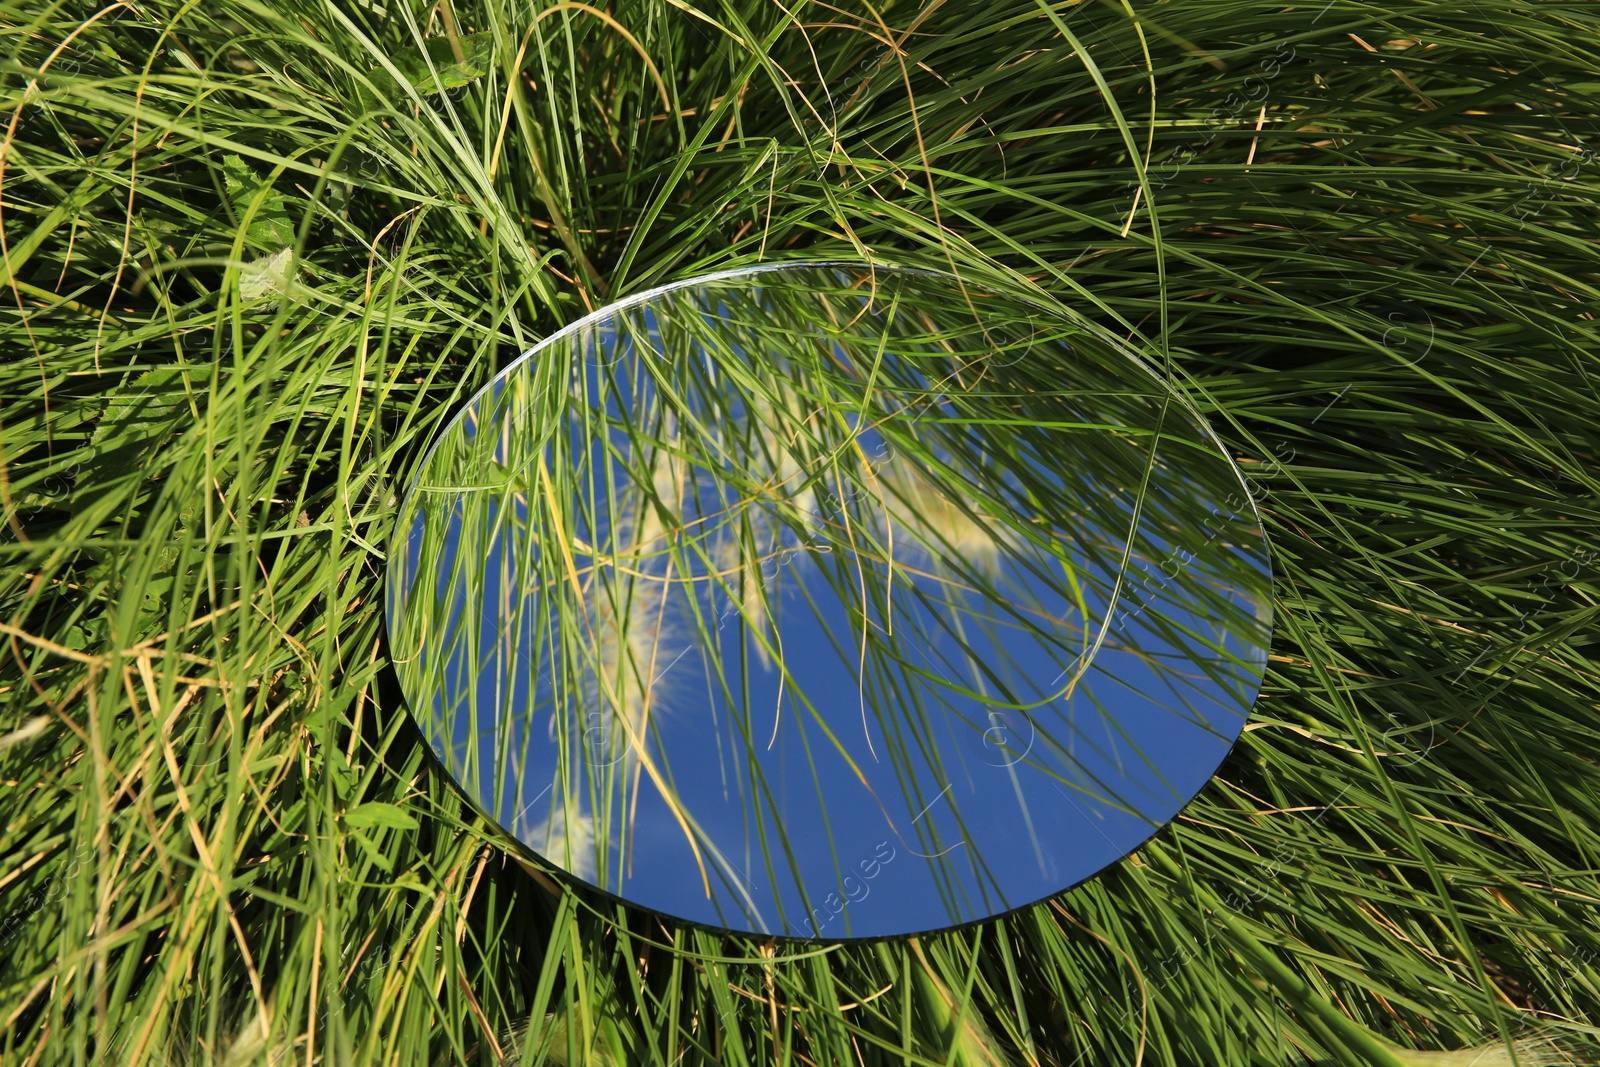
826, 602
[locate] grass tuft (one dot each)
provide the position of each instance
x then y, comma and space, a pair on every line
1360, 237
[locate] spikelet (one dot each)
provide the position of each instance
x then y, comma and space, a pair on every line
567, 841
939, 528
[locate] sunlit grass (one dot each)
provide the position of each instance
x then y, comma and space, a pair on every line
1360, 238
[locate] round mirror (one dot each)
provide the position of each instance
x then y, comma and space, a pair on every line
828, 601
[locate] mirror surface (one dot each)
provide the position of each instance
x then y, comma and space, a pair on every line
825, 602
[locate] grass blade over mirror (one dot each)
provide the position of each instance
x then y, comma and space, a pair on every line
729, 596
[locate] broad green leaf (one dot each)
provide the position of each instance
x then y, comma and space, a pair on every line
477, 58
267, 275
136, 419
270, 227
377, 813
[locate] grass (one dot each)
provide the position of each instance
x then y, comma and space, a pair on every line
1360, 237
